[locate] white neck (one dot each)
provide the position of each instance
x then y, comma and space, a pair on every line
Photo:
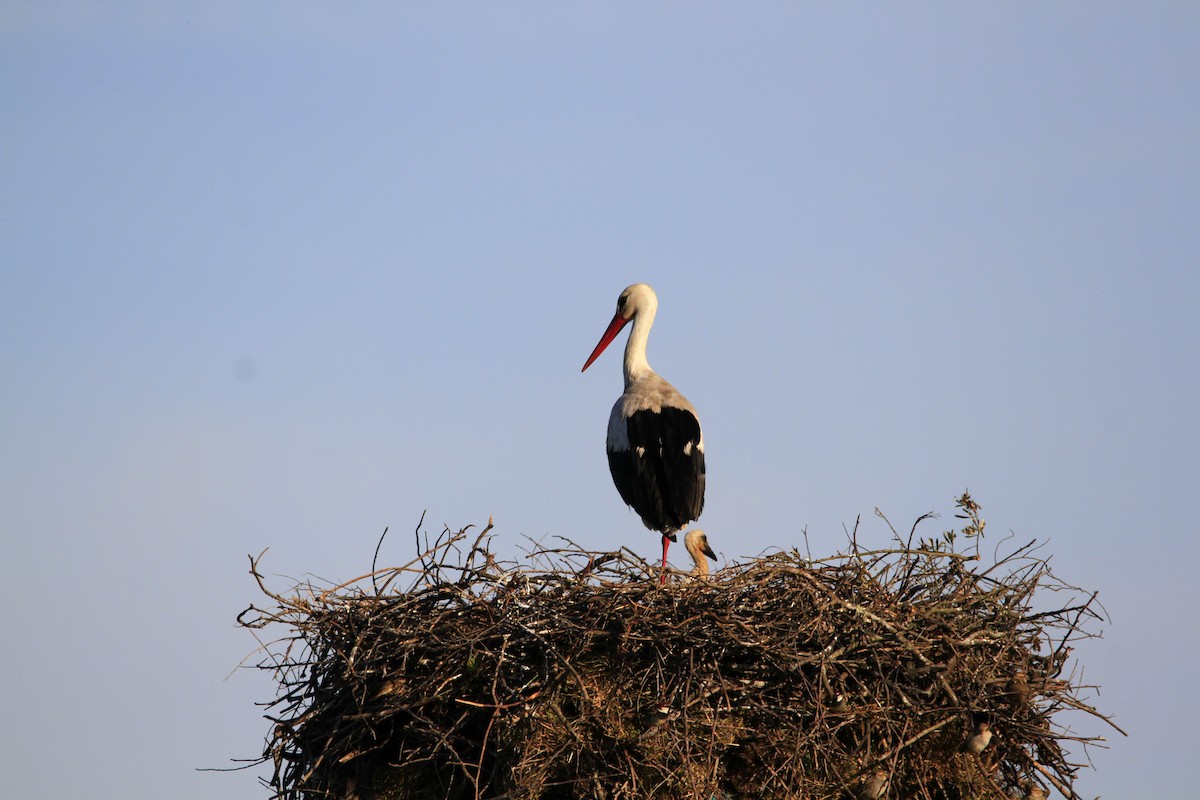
636, 365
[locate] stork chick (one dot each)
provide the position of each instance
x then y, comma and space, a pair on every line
695, 542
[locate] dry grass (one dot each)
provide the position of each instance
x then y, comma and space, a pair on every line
458, 676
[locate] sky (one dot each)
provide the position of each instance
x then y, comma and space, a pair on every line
280, 275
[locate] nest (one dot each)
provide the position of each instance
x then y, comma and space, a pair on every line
573, 674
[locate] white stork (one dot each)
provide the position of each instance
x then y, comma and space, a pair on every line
695, 542
655, 446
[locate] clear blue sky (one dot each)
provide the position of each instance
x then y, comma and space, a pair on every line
282, 274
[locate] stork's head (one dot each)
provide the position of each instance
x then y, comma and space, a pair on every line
696, 542
638, 300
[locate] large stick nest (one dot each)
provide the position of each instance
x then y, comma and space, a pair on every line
575, 675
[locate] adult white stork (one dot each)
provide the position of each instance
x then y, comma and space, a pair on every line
655, 446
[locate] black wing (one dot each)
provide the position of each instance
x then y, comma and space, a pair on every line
662, 474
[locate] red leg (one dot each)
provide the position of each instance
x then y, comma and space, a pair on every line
662, 578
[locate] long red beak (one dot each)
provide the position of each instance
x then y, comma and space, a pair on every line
614, 328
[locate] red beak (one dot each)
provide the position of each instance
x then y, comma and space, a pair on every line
614, 328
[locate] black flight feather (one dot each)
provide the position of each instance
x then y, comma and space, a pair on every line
665, 482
